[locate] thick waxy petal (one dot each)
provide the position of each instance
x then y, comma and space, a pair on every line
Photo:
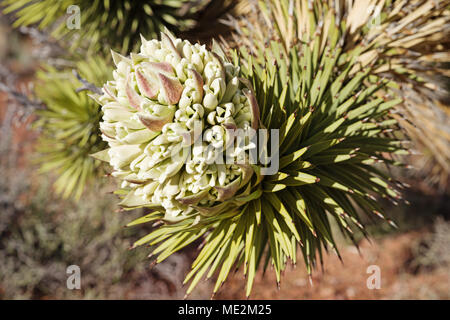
138, 137
210, 101
123, 155
108, 130
230, 130
133, 98
222, 79
159, 67
133, 178
168, 44
172, 168
115, 112
156, 123
171, 87
147, 86
198, 83
109, 92
190, 137
132, 200
222, 68
137, 58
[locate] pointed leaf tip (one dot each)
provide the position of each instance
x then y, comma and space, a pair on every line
171, 87
102, 155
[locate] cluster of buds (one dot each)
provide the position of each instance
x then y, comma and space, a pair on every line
169, 116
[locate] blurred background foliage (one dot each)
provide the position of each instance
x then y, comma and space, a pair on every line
117, 25
69, 125
41, 234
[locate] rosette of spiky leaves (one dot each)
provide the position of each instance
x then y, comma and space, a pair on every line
106, 24
69, 126
333, 130
406, 41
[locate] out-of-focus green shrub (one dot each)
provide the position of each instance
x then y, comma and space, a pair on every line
47, 236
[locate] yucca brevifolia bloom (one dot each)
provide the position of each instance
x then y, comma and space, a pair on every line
69, 125
115, 23
169, 118
332, 130
403, 41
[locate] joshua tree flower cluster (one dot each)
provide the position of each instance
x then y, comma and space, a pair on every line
170, 116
